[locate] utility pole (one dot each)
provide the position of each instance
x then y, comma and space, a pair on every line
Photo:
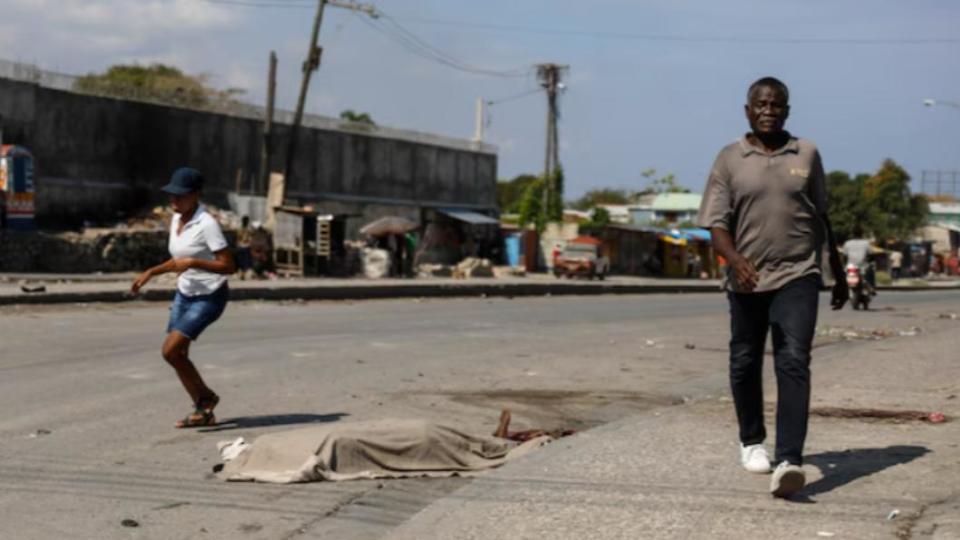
266, 150
311, 64
549, 76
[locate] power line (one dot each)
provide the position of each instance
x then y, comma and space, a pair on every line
421, 48
296, 4
681, 38
513, 97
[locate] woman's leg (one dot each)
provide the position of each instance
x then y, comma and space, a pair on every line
176, 351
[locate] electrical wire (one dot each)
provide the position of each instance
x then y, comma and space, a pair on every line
413, 44
513, 97
680, 38
311, 4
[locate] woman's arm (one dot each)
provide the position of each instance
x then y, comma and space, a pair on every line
170, 265
223, 263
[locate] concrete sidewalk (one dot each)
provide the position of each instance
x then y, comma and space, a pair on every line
673, 473
66, 288
86, 288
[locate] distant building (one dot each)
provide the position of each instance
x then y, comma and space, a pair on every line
943, 227
674, 208
619, 213
944, 213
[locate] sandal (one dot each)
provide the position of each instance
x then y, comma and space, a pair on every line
198, 418
202, 414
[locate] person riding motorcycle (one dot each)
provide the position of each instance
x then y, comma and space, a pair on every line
857, 252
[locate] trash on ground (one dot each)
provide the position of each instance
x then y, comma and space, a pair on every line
893, 514
33, 288
39, 433
879, 414
427, 270
387, 448
130, 523
951, 316
826, 534
849, 333
472, 267
376, 263
690, 346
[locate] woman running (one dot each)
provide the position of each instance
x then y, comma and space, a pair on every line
201, 257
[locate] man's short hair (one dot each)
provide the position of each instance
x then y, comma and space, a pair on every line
769, 82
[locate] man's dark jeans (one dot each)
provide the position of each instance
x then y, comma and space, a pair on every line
790, 313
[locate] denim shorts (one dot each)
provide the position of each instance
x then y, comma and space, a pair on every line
191, 315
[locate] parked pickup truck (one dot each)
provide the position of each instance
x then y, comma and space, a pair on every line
582, 256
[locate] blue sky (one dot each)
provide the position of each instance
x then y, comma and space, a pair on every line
656, 83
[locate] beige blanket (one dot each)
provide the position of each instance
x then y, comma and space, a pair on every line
371, 449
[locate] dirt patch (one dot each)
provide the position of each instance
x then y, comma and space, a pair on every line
879, 415
562, 409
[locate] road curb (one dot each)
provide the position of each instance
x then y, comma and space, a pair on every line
381, 292
372, 292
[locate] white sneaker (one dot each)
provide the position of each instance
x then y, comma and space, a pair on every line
787, 480
754, 458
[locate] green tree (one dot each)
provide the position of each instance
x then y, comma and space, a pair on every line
851, 215
599, 196
554, 210
354, 117
510, 192
664, 184
600, 218
897, 212
531, 205
156, 82
879, 205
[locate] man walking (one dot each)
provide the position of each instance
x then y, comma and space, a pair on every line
765, 204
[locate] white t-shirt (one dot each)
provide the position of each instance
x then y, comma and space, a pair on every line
200, 238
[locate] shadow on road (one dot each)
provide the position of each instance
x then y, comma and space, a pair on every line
242, 422
841, 468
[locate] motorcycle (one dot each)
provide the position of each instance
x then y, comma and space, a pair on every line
859, 292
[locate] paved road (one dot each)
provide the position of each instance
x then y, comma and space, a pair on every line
87, 442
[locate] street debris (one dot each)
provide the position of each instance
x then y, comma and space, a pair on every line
33, 288
880, 414
893, 514
39, 433
376, 263
849, 333
951, 316
130, 523
427, 270
826, 534
690, 346
472, 267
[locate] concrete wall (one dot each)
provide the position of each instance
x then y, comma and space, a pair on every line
100, 158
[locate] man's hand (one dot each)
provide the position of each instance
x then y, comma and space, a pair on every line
141, 280
745, 273
841, 293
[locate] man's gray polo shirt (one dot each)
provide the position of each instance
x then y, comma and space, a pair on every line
771, 203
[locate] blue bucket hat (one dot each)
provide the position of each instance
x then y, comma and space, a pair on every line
184, 180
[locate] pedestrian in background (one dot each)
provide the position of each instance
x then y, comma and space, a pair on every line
765, 204
896, 263
244, 240
202, 258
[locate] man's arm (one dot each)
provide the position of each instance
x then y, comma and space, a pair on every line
818, 190
840, 290
744, 271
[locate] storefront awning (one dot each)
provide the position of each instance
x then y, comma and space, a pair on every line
473, 218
